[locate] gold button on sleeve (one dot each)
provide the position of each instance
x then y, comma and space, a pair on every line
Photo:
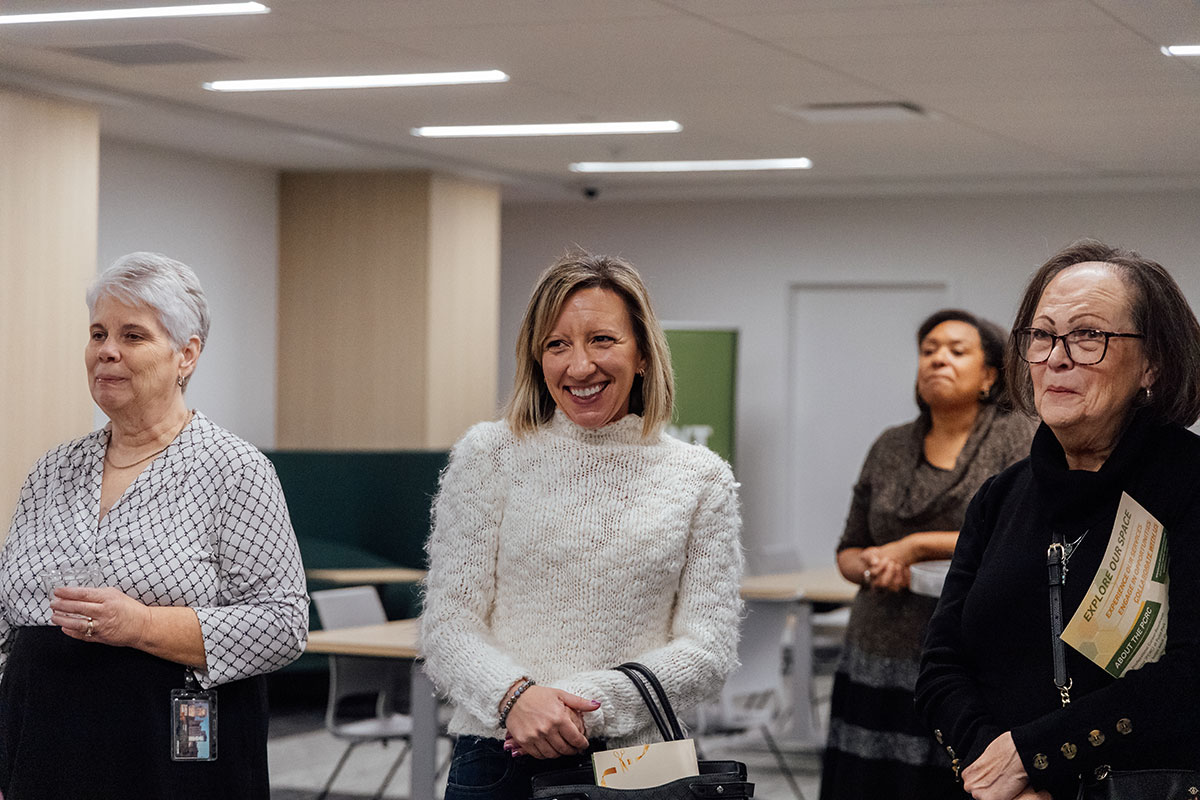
1124, 726
1096, 738
1040, 761
1068, 750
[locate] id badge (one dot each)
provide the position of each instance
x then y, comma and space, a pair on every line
193, 723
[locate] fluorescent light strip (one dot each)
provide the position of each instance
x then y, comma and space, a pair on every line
548, 129
1182, 50
731, 165
208, 10
357, 81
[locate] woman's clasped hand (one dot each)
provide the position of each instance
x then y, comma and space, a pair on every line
887, 567
547, 723
999, 775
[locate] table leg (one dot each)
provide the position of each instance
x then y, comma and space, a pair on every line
800, 727
424, 735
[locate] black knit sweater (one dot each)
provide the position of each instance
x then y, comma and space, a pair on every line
987, 666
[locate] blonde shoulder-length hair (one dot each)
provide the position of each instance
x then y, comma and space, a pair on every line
652, 395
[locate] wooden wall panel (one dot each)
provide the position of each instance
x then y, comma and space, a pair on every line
464, 307
49, 167
353, 249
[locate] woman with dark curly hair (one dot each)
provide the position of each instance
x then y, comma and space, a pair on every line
907, 507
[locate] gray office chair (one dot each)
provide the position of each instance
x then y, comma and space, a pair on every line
359, 677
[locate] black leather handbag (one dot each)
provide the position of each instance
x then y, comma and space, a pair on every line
1142, 784
721, 780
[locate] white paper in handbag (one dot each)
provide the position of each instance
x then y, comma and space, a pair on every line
645, 765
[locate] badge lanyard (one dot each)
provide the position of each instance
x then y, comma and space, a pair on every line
193, 721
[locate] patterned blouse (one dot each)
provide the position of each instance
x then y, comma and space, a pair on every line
205, 525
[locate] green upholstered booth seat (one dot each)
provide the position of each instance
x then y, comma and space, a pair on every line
362, 509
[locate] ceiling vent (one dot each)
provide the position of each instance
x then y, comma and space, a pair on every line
856, 112
149, 53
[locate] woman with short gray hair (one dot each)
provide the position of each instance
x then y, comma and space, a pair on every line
151, 568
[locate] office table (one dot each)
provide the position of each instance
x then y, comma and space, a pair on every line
818, 585
801, 588
354, 576
396, 639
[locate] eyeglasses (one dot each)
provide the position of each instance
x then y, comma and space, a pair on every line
1085, 346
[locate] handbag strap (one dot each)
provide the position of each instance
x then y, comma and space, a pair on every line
1056, 566
655, 698
661, 693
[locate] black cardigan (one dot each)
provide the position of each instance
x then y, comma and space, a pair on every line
987, 666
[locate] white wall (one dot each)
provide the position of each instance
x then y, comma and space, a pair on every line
218, 218
732, 263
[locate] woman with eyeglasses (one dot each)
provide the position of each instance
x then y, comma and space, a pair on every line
907, 507
1030, 701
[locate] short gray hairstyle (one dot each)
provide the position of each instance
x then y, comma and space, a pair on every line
167, 286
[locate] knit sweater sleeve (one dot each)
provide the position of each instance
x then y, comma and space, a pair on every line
462, 656
702, 651
857, 532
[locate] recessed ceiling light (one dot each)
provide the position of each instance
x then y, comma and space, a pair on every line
357, 81
855, 112
1182, 50
549, 129
728, 165
208, 10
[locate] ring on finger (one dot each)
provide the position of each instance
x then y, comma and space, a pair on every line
866, 576
90, 629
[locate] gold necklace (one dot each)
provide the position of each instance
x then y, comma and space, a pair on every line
152, 455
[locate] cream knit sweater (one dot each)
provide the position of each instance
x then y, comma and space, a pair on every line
562, 554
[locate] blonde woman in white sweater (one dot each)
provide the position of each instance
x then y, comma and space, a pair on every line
573, 536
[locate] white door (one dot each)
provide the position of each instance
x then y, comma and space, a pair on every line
852, 373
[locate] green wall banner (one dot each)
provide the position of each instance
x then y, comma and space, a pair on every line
705, 363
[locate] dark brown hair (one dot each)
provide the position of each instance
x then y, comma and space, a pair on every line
1160, 313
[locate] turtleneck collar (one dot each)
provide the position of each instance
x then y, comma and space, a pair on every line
626, 430
1072, 492
921, 498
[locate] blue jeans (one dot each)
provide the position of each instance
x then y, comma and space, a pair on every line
483, 768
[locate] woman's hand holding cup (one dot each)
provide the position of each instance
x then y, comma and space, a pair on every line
99, 614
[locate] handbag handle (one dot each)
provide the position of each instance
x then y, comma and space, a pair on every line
661, 694
1056, 565
645, 681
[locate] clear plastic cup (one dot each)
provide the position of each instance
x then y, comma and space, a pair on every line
71, 575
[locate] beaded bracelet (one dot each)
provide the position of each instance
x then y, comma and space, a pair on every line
508, 705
